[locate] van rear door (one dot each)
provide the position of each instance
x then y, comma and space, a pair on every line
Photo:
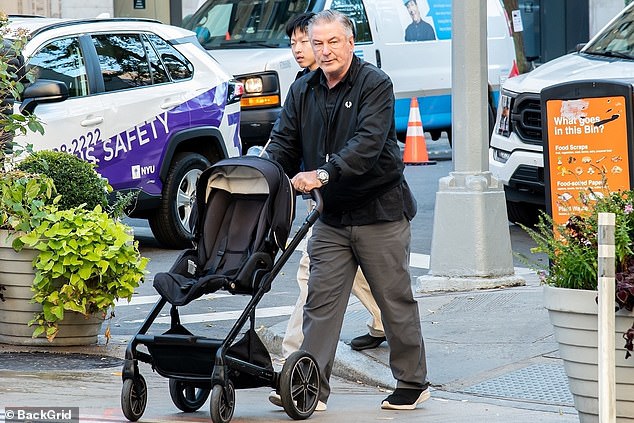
413, 40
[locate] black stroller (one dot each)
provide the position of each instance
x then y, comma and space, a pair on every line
243, 214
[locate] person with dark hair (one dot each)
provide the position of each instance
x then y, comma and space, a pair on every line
297, 31
338, 121
418, 30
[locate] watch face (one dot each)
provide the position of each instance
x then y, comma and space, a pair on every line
322, 175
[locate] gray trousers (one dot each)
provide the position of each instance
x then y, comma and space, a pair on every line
382, 252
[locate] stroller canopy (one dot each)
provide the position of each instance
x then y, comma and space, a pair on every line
250, 175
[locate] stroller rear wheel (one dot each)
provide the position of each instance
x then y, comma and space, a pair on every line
134, 398
187, 397
299, 385
222, 403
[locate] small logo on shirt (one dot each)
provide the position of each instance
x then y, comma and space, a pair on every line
348, 104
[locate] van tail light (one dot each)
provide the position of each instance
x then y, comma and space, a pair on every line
514, 70
235, 91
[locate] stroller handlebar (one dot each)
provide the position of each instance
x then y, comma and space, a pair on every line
316, 211
319, 205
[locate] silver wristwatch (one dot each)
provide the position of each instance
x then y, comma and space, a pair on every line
323, 176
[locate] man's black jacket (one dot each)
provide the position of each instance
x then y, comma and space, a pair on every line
359, 138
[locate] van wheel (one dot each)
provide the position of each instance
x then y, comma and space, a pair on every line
170, 222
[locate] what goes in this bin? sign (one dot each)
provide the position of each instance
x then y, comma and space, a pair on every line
587, 151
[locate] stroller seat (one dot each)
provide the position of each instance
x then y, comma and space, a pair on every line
234, 248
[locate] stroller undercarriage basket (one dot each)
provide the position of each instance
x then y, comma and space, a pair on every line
243, 214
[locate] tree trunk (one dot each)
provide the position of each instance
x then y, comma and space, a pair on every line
518, 37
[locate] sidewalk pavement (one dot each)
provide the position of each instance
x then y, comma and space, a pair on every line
490, 353
486, 346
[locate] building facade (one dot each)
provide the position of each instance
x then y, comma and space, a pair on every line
162, 10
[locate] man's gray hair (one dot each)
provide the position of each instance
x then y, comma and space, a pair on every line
332, 16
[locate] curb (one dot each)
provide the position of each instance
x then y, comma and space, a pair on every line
349, 364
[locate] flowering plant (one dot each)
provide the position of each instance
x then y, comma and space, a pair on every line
572, 248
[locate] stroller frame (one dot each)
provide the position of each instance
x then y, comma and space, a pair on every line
191, 384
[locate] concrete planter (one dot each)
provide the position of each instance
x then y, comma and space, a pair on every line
16, 274
573, 313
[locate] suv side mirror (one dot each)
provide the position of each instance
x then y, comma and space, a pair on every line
42, 91
579, 46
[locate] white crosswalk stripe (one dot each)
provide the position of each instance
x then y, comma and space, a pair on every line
420, 261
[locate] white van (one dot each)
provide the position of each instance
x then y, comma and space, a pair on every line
515, 153
248, 38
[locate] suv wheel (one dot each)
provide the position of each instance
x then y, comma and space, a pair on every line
523, 213
170, 222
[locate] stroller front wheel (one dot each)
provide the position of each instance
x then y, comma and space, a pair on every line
187, 397
134, 398
299, 385
222, 403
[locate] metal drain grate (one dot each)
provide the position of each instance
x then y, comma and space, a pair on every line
542, 383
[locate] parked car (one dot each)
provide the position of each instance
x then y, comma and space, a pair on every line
141, 100
515, 154
249, 39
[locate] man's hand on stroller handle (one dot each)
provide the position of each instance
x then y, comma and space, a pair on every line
306, 181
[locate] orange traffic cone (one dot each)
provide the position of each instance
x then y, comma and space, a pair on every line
415, 147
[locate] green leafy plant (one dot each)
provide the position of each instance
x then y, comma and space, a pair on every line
572, 248
23, 201
54, 203
87, 186
87, 259
86, 262
13, 76
121, 203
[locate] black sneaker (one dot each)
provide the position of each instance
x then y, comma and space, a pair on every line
405, 399
365, 342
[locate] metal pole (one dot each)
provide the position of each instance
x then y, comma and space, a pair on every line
469, 124
606, 262
471, 243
